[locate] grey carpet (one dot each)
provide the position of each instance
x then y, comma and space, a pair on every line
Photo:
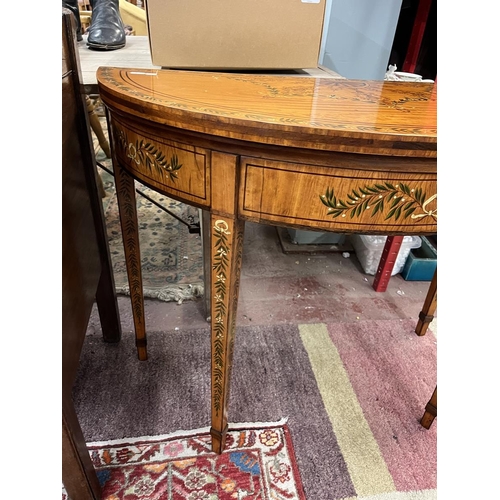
118, 396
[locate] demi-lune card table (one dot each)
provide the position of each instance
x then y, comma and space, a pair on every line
338, 155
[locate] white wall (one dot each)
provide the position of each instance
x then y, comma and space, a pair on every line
358, 37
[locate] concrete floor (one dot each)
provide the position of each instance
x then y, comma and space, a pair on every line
277, 288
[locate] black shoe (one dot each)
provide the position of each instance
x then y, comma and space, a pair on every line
72, 5
106, 31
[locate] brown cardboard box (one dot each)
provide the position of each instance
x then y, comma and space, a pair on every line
235, 34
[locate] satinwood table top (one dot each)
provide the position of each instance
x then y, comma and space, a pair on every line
372, 117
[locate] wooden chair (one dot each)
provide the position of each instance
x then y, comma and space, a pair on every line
87, 274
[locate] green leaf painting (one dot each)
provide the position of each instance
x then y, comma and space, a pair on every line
220, 266
145, 153
396, 201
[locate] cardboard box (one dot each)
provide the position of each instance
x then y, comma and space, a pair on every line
235, 34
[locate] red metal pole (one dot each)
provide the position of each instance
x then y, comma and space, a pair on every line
417, 35
387, 261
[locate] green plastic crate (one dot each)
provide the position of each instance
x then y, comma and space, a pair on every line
421, 263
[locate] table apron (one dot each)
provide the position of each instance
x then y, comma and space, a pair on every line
336, 198
308, 193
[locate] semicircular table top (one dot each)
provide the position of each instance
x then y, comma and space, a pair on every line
397, 118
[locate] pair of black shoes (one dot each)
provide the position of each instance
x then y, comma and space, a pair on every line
106, 31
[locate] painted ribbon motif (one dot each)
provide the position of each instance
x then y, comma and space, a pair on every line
431, 213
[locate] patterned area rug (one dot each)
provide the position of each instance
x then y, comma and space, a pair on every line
258, 463
352, 392
171, 257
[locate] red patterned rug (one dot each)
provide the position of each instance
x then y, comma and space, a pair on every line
258, 463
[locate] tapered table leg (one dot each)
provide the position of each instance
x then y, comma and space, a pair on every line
226, 254
430, 411
430, 304
125, 194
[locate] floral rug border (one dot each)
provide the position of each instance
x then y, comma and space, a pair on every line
258, 461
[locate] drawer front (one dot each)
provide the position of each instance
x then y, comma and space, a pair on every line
173, 168
338, 199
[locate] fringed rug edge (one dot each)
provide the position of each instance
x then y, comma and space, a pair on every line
192, 432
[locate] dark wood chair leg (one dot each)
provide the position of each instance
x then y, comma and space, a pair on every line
106, 298
430, 304
430, 411
107, 306
78, 473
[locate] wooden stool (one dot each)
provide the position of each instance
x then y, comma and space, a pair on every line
430, 411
